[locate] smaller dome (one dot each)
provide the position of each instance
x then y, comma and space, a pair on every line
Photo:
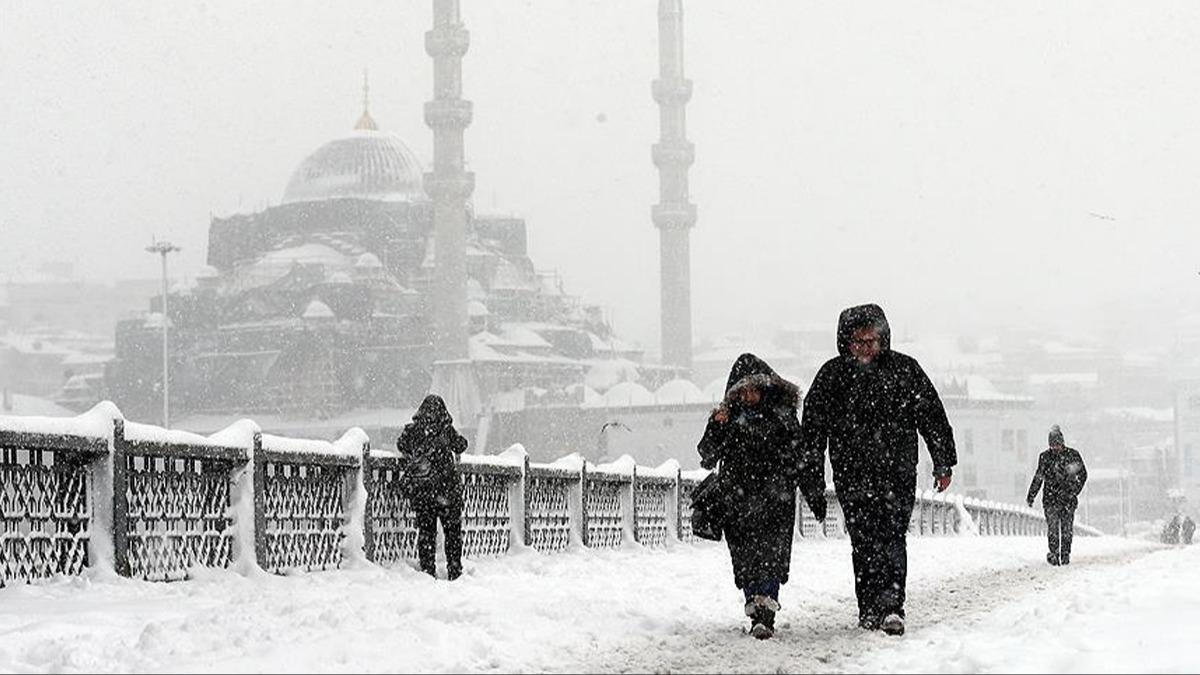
368, 261
318, 310
679, 391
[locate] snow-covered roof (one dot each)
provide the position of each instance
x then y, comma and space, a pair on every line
1147, 414
604, 374
980, 388
22, 405
1064, 378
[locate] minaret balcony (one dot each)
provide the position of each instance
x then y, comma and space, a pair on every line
451, 112
447, 41
671, 216
449, 188
672, 90
673, 153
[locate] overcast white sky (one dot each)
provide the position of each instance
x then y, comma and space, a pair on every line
966, 162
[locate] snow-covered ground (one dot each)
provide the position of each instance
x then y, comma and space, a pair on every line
975, 604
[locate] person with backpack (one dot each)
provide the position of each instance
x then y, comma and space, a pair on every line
754, 436
429, 449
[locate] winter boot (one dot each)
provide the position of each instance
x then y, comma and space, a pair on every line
892, 624
868, 622
762, 624
1052, 559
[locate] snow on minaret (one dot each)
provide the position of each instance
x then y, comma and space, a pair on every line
674, 215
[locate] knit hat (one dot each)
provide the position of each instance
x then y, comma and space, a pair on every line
1056, 435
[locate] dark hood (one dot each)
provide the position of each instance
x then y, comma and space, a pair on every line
432, 413
751, 370
854, 318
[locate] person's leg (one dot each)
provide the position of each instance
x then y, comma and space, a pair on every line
451, 516
1053, 532
1068, 534
894, 558
427, 538
864, 556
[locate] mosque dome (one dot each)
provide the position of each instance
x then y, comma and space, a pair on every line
367, 164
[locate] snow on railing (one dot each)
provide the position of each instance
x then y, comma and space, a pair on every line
98, 491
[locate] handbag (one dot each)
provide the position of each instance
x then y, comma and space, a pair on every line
709, 508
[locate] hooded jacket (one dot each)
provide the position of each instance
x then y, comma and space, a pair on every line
758, 449
869, 416
429, 447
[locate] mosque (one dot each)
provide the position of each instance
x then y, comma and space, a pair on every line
374, 282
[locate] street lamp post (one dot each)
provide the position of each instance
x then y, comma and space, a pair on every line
163, 248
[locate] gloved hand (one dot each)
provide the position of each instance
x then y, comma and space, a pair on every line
942, 483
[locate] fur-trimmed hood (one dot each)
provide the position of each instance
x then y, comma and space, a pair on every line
751, 371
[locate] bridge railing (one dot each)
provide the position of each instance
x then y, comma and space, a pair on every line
97, 491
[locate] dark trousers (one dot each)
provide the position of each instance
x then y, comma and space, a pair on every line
428, 515
878, 526
1060, 531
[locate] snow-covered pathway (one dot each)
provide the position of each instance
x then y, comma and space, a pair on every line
637, 610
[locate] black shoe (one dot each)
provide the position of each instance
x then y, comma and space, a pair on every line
762, 623
1052, 559
1066, 560
892, 624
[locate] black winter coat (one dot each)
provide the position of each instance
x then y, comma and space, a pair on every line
869, 416
1064, 475
429, 448
760, 465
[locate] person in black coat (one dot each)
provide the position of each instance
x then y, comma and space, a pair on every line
429, 448
1062, 471
1187, 530
867, 405
754, 436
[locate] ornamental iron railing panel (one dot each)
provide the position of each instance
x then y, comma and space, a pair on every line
651, 506
179, 515
45, 512
487, 516
605, 516
393, 521
548, 509
303, 511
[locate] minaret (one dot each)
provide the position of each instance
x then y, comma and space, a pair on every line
448, 185
674, 215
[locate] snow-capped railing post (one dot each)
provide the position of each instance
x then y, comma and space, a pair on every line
259, 481
629, 507
247, 519
583, 505
368, 483
120, 499
675, 516
518, 505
